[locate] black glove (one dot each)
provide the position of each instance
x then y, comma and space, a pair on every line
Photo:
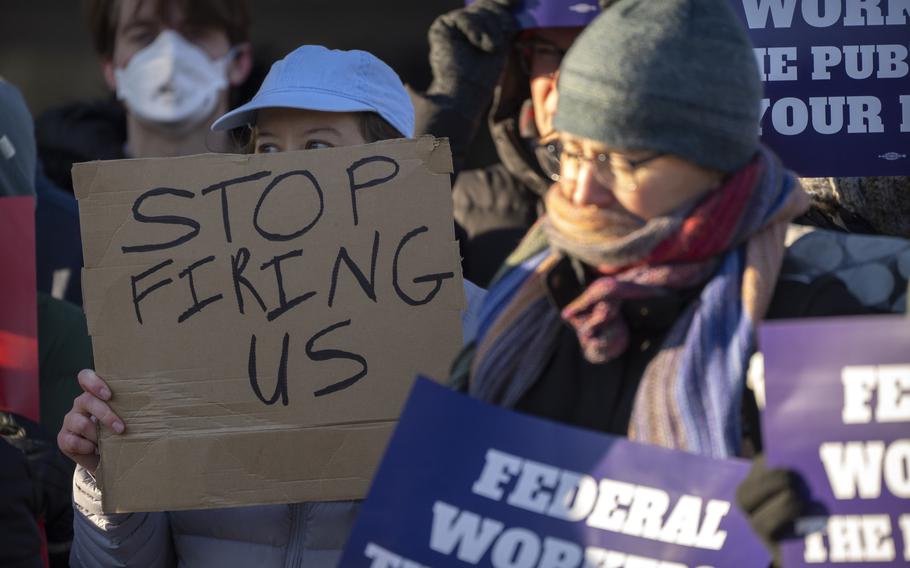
51, 478
771, 500
468, 50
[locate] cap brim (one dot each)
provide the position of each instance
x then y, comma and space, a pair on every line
296, 98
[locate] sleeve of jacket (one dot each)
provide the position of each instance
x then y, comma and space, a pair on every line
64, 349
437, 115
124, 539
495, 211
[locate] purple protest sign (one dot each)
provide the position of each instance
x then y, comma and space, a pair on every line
838, 413
837, 83
466, 483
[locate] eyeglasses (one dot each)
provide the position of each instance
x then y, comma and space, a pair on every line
603, 165
539, 57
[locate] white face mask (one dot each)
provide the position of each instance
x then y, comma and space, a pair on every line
172, 82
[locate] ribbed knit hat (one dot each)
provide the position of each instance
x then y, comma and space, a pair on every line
675, 76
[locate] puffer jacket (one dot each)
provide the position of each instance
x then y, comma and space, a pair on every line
497, 204
268, 536
299, 535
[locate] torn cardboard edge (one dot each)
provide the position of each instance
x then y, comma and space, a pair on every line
343, 477
435, 153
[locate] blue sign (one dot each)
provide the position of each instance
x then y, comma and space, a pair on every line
838, 413
837, 83
464, 483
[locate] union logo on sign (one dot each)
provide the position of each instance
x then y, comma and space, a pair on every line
891, 156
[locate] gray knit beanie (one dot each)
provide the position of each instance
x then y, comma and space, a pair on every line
675, 76
17, 143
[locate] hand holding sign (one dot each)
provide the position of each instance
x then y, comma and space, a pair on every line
242, 306
78, 438
466, 483
852, 378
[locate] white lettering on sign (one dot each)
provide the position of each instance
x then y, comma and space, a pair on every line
791, 116
904, 523
610, 505
856, 469
864, 115
776, 63
470, 533
823, 58
886, 61
852, 538
858, 61
382, 558
889, 383
826, 13
471, 538
757, 12
905, 107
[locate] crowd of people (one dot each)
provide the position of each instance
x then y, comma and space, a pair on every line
618, 257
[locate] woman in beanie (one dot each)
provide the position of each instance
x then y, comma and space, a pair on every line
631, 307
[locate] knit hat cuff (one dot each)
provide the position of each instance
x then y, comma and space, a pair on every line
650, 122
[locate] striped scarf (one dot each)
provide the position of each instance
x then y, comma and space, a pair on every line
731, 242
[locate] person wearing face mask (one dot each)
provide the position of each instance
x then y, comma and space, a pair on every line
313, 98
503, 53
172, 65
631, 307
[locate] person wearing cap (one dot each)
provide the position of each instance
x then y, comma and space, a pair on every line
313, 98
501, 55
320, 98
346, 97
631, 307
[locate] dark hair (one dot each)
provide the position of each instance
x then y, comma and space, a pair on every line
232, 16
373, 128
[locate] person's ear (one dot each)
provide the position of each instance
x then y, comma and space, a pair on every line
241, 64
107, 68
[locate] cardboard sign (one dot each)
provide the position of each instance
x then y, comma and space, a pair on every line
18, 308
464, 483
260, 318
837, 83
838, 413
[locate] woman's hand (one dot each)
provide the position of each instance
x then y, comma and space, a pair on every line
78, 437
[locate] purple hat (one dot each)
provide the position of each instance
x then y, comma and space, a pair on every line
532, 14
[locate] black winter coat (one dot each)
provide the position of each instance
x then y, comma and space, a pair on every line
601, 396
495, 205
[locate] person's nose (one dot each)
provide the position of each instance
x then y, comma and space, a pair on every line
589, 188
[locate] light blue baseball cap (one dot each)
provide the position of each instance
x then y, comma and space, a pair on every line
313, 77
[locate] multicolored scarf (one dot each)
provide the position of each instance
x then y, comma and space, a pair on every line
731, 243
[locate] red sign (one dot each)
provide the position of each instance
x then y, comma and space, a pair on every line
18, 308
